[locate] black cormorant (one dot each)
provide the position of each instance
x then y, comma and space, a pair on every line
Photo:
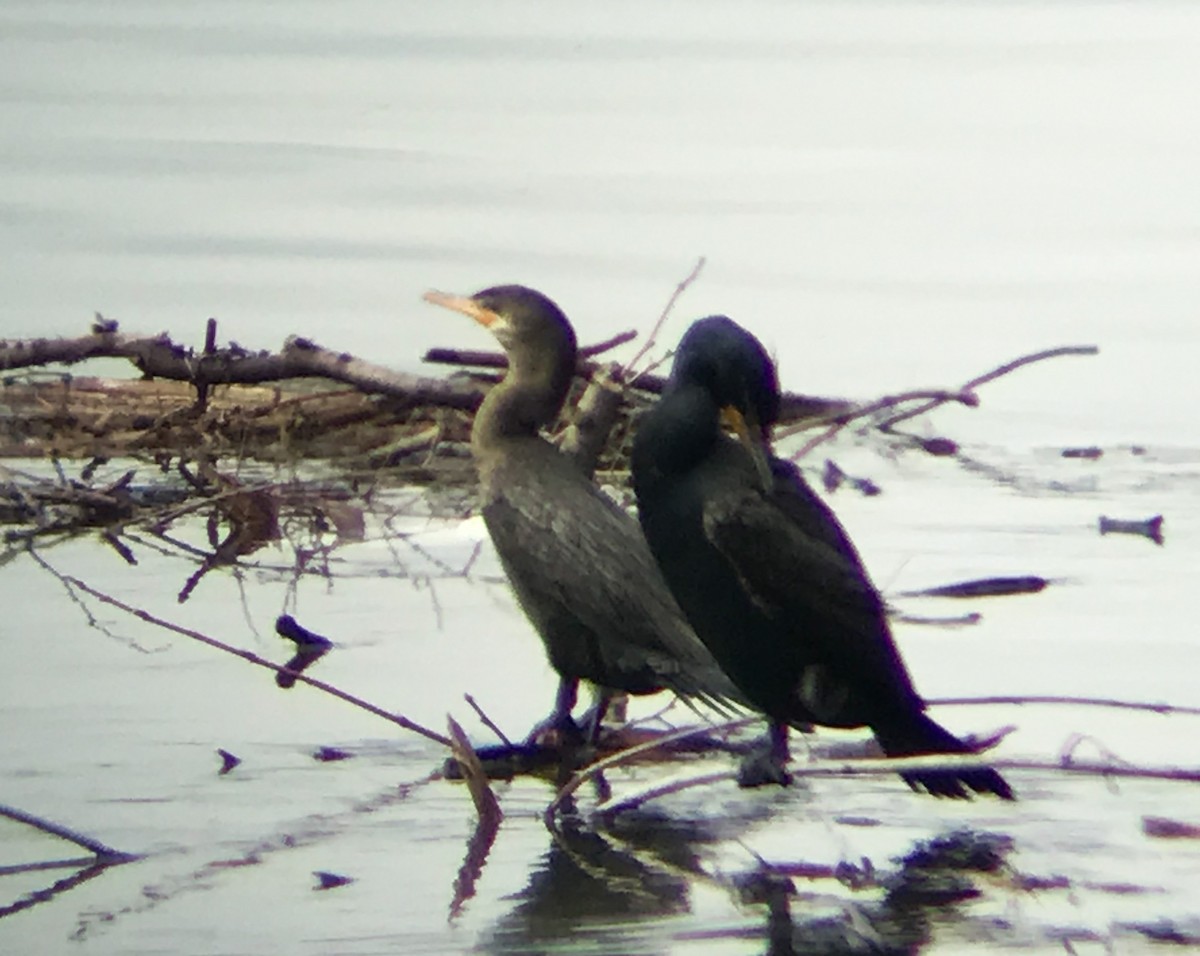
579, 565
763, 569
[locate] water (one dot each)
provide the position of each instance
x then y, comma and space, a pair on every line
890, 194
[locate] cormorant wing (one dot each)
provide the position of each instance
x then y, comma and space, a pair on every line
583, 571
796, 562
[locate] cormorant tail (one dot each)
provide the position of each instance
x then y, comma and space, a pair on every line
918, 734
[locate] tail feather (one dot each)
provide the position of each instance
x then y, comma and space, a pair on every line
918, 734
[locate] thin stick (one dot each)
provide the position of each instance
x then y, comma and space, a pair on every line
79, 863
652, 338
485, 358
873, 767
633, 800
1077, 701
486, 720
1093, 768
992, 375
588, 351
399, 719
103, 852
581, 777
839, 420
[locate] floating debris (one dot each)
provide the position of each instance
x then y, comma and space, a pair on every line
833, 478
984, 587
1168, 829
1148, 528
310, 648
328, 881
331, 754
939, 447
228, 761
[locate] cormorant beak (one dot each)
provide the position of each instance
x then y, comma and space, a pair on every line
467, 306
750, 435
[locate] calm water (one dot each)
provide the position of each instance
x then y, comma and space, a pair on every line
890, 194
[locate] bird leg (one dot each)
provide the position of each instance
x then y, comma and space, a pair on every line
762, 767
594, 716
559, 729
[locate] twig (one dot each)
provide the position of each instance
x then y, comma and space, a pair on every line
992, 375
839, 420
1075, 701
78, 878
486, 720
486, 358
590, 351
874, 767
652, 337
581, 777
633, 800
490, 816
158, 356
143, 615
984, 587
88, 616
77, 863
104, 853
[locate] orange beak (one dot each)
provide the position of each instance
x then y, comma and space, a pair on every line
464, 304
750, 437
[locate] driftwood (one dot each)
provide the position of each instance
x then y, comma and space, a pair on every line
230, 401
159, 357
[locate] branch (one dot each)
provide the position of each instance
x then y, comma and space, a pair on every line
992, 375
482, 358
624, 756
104, 853
874, 767
652, 338
159, 357
1076, 701
398, 719
840, 419
588, 351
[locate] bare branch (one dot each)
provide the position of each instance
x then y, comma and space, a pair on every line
840, 419
590, 351
159, 357
481, 358
652, 338
399, 719
1070, 701
992, 375
103, 852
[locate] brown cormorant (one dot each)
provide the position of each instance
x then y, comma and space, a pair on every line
579, 565
763, 569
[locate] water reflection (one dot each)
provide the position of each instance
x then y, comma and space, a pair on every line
596, 883
625, 881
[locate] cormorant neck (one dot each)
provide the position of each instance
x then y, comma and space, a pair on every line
678, 433
528, 399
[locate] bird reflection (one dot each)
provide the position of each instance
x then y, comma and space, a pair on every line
600, 882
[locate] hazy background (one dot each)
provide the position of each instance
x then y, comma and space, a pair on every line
890, 194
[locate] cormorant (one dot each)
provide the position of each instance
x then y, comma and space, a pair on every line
763, 569
579, 565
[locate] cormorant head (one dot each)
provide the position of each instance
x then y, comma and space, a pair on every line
522, 319
727, 361
540, 344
